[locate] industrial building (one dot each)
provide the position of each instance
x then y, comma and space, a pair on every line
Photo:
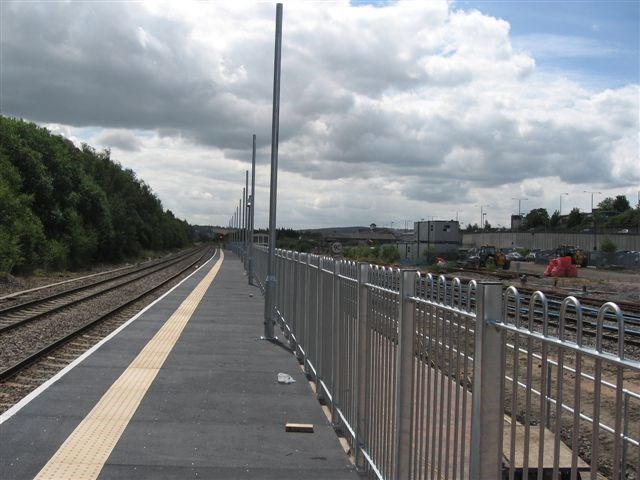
438, 237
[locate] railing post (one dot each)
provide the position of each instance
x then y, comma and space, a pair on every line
301, 283
487, 414
293, 292
405, 371
363, 370
335, 346
307, 315
319, 331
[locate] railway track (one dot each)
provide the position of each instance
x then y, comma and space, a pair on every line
630, 318
23, 313
44, 309
588, 321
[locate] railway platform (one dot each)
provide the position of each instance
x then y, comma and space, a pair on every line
186, 389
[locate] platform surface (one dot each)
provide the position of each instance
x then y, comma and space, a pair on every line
214, 410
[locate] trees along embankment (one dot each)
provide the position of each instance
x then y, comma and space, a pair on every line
63, 207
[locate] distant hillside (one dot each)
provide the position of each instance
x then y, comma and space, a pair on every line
66, 208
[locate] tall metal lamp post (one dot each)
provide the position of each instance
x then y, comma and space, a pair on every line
251, 212
593, 216
482, 215
270, 281
519, 209
560, 211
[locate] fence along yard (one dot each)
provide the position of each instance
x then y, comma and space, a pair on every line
430, 377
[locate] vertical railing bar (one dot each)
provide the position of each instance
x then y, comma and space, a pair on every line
419, 397
405, 374
577, 390
543, 388
296, 297
307, 313
392, 346
464, 397
595, 439
362, 352
318, 324
373, 376
434, 389
379, 375
384, 381
548, 393
527, 407
487, 415
378, 358
625, 432
441, 371
513, 292
374, 406
387, 388
449, 388
335, 339
619, 384
456, 433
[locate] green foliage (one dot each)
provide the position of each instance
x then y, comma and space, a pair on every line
606, 204
536, 218
64, 207
574, 219
22, 240
389, 254
298, 241
628, 219
363, 253
386, 254
57, 256
621, 204
608, 246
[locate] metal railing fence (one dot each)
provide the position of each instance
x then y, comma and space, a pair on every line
429, 378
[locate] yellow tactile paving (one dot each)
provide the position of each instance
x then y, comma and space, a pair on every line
85, 451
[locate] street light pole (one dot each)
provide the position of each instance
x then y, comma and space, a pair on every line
593, 216
519, 204
244, 223
240, 220
270, 281
560, 211
252, 202
246, 220
519, 199
482, 215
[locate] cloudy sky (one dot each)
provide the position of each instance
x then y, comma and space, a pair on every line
390, 112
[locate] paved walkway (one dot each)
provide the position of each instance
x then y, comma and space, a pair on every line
213, 409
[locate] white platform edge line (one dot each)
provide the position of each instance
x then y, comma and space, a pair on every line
26, 400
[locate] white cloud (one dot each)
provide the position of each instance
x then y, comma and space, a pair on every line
564, 46
117, 138
412, 110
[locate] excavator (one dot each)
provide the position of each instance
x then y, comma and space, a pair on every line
578, 256
488, 256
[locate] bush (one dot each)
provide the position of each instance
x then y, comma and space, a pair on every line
608, 246
56, 256
389, 254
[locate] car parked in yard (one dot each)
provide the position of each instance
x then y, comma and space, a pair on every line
514, 256
532, 255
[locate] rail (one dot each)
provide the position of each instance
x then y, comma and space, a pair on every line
434, 379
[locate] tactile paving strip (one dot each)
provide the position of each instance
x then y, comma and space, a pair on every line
85, 451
